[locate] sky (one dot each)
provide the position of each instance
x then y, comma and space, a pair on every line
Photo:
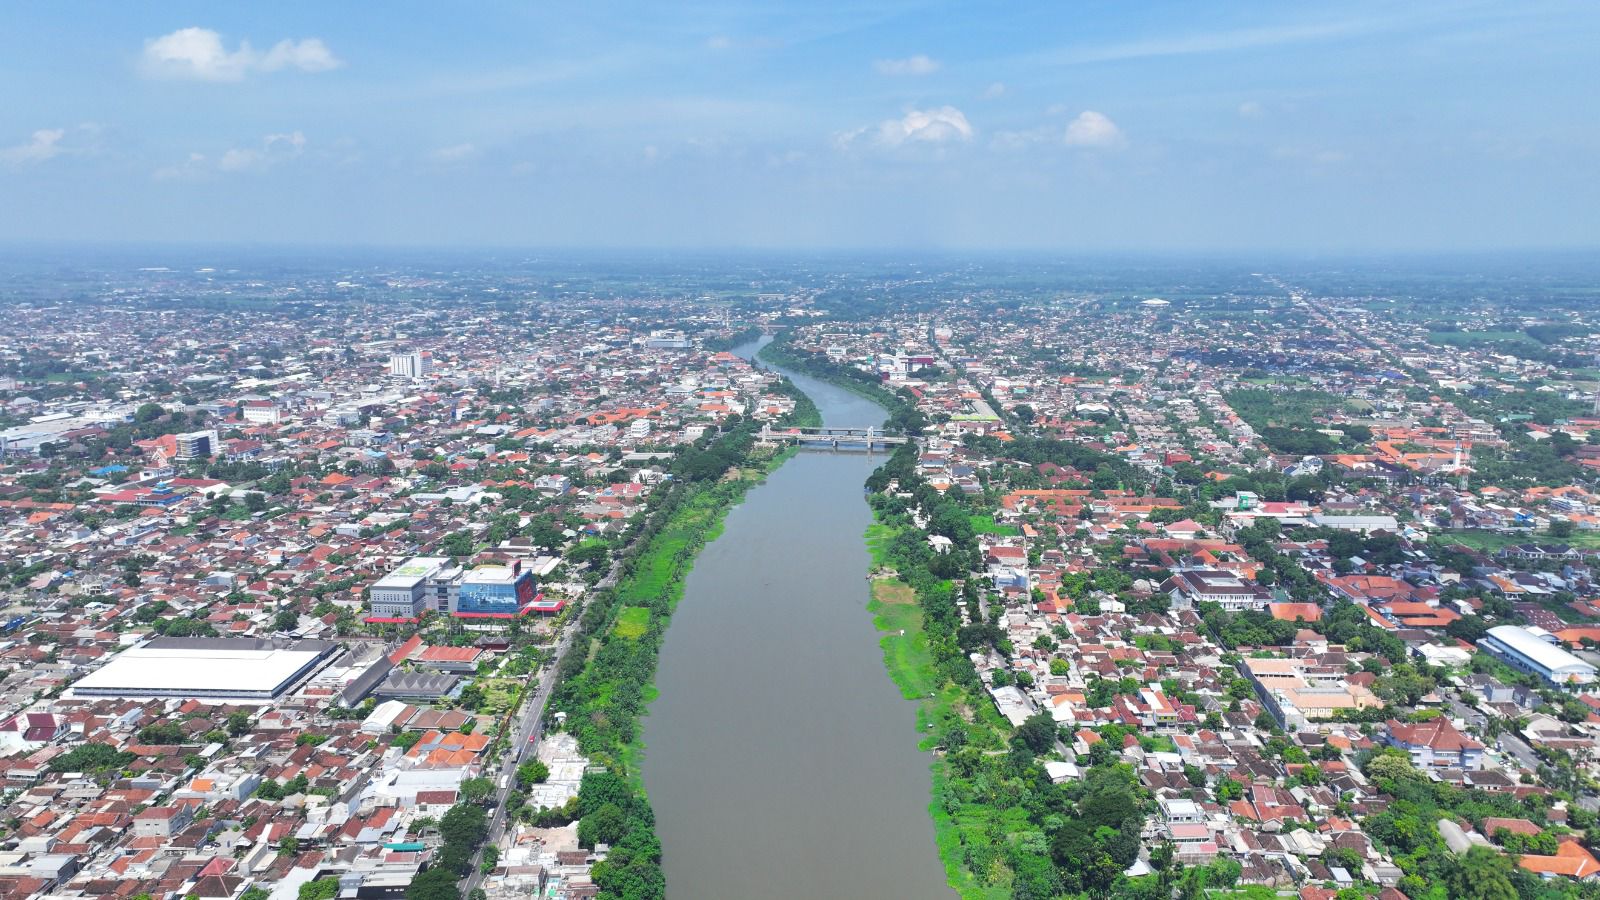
1070, 126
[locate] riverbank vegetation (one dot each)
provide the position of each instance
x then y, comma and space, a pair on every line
737, 339
1003, 829
903, 414
605, 683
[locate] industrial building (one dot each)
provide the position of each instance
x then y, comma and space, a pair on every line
219, 669
1530, 651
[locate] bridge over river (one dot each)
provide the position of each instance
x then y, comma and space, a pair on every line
782, 760
835, 436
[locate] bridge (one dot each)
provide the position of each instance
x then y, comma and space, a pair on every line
834, 436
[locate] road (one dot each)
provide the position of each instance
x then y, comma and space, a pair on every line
524, 741
1507, 743
1475, 720
1517, 747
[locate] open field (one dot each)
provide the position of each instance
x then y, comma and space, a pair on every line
1479, 338
987, 525
632, 622
895, 593
910, 663
1491, 541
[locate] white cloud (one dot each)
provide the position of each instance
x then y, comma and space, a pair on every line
273, 149
40, 146
308, 55
199, 54
911, 65
194, 167
454, 153
994, 91
1250, 109
1093, 130
787, 158
933, 126
722, 43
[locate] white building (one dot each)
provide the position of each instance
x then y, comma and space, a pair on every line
261, 412
206, 669
414, 364
668, 339
198, 444
1529, 651
422, 582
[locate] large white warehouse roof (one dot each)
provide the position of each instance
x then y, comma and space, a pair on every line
1545, 655
201, 668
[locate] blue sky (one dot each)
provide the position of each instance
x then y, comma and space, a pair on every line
1071, 126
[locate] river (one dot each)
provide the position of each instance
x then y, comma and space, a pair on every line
780, 759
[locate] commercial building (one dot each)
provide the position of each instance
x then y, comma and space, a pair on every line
217, 669
409, 365
1529, 651
498, 592
1188, 588
198, 444
415, 686
1363, 524
420, 583
668, 339
262, 412
1298, 691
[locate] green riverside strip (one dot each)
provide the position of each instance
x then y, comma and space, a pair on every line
605, 692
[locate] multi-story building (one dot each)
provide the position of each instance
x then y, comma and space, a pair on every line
496, 592
1436, 744
668, 339
1191, 587
262, 412
198, 444
413, 364
420, 583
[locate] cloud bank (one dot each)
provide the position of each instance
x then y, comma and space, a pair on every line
198, 54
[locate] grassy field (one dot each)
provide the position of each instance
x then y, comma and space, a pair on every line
894, 593
1477, 338
1492, 540
632, 622
987, 525
500, 693
878, 537
910, 663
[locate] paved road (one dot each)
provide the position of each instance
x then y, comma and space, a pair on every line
1474, 719
1517, 747
524, 741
